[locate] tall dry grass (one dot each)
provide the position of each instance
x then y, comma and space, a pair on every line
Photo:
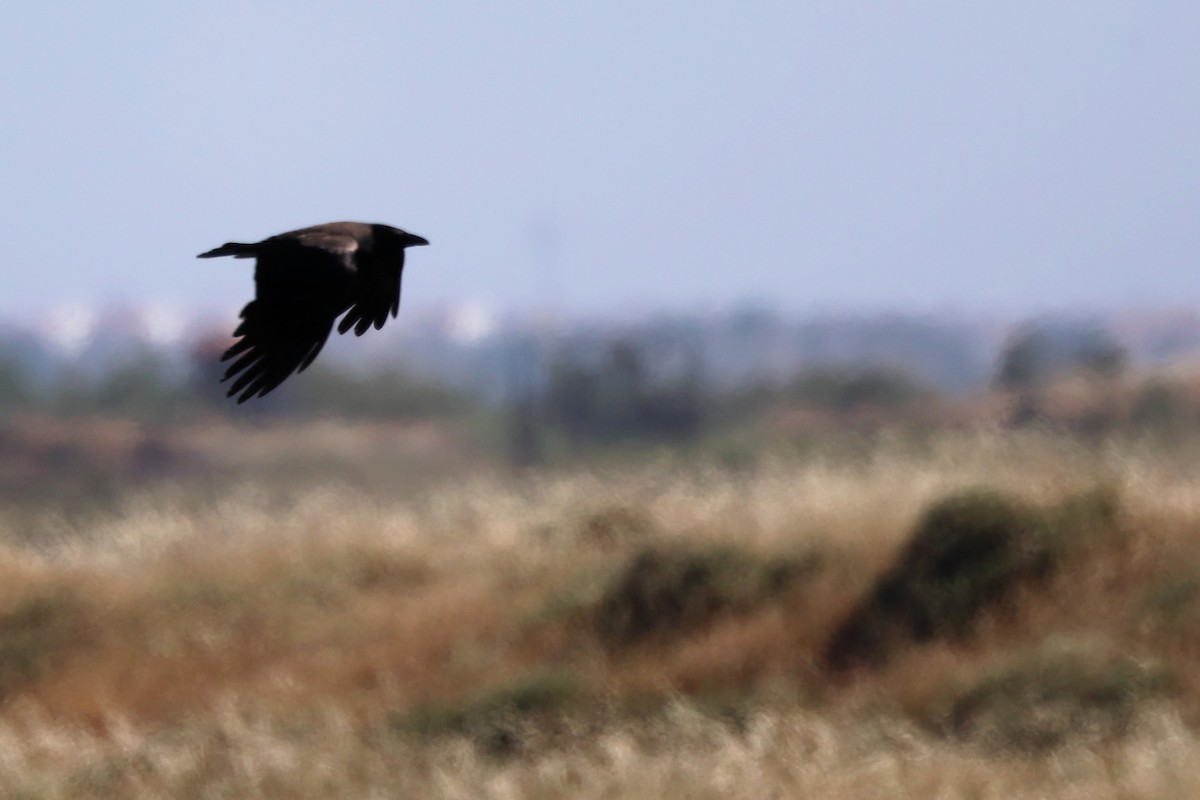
351, 643
233, 752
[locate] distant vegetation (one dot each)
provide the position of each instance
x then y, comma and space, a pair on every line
146, 386
1041, 351
587, 397
670, 380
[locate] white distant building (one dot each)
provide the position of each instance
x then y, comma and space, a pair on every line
69, 328
465, 323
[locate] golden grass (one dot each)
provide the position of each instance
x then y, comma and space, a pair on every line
356, 644
234, 752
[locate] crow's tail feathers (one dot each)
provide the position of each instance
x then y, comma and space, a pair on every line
235, 249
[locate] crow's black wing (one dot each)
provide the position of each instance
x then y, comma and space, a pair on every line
377, 293
302, 284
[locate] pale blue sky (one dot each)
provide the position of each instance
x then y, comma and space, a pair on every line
613, 156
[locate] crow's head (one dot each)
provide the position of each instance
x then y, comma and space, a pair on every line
388, 238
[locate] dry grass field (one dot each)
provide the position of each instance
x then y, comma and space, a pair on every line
980, 614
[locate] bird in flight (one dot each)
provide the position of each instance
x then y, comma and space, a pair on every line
304, 280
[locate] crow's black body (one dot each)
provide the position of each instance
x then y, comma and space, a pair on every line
304, 280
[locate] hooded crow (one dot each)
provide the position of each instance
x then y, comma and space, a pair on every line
304, 280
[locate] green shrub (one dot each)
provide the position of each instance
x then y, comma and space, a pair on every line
493, 719
35, 635
661, 593
1061, 692
968, 552
616, 523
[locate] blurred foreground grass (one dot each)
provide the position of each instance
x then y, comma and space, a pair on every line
977, 614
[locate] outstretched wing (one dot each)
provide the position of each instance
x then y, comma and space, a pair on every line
303, 281
377, 294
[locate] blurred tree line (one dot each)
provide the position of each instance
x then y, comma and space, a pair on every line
1042, 350
628, 390
144, 385
631, 389
598, 391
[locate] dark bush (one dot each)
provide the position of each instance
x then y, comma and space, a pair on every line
494, 719
661, 594
36, 635
615, 524
967, 553
1039, 350
1061, 692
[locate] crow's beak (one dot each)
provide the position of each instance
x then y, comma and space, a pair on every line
413, 240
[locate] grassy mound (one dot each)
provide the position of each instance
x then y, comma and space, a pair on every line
968, 553
36, 635
1063, 691
494, 719
660, 594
